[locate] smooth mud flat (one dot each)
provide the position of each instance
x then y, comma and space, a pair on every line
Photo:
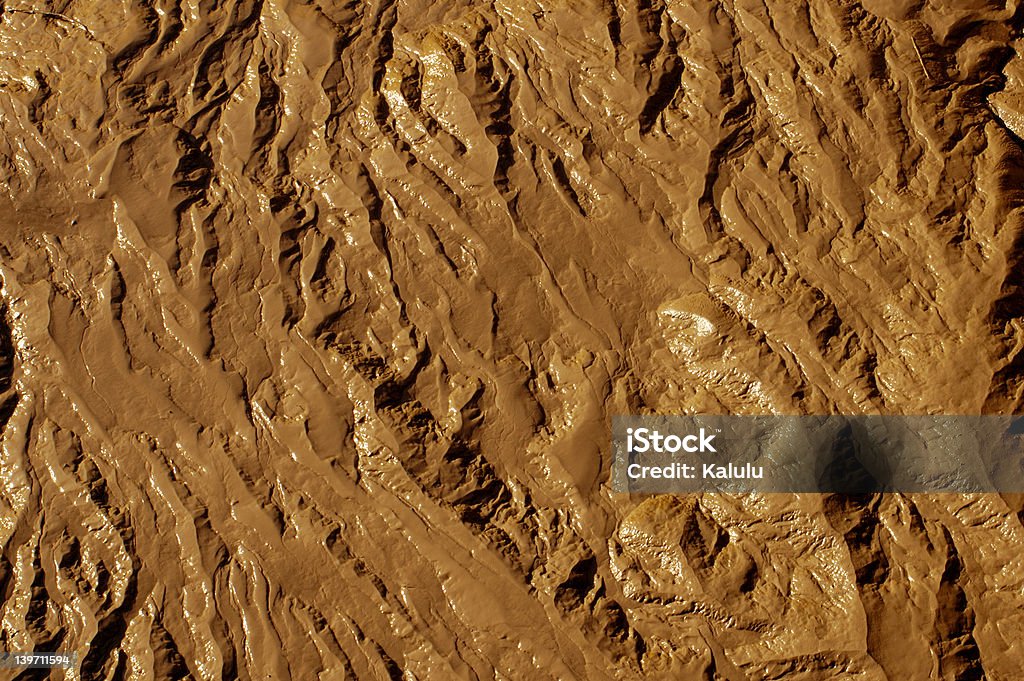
316, 316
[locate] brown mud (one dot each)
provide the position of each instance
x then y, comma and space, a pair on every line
315, 315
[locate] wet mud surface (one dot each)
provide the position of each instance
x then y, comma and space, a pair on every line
315, 316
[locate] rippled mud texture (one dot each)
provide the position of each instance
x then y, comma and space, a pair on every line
315, 316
